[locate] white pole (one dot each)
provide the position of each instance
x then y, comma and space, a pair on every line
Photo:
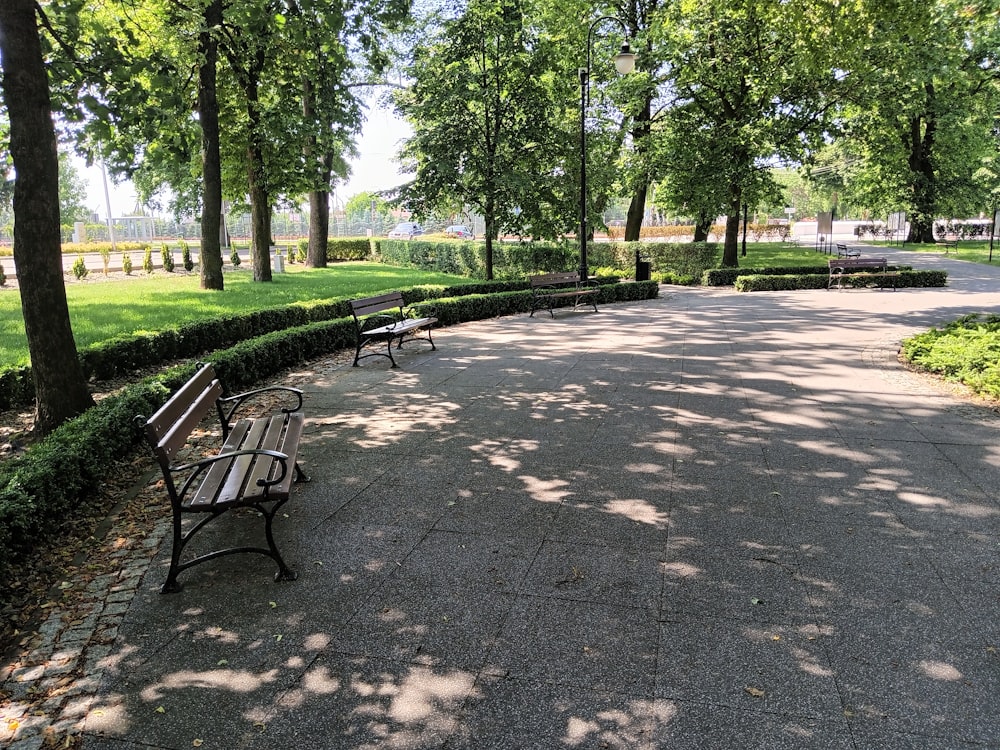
107, 204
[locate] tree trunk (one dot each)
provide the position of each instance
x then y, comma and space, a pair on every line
260, 217
636, 213
319, 228
60, 389
319, 196
702, 228
640, 137
210, 259
920, 144
260, 203
730, 251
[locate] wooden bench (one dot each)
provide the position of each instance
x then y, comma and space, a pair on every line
384, 319
950, 245
254, 468
873, 268
547, 288
843, 251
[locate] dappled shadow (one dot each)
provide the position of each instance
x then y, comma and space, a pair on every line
706, 516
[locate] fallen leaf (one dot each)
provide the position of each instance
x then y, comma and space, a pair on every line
277, 637
755, 692
775, 637
161, 710
273, 604
222, 662
197, 743
756, 601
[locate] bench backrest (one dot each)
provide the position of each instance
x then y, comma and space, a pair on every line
168, 429
857, 263
560, 277
369, 305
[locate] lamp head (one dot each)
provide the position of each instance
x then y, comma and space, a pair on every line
625, 60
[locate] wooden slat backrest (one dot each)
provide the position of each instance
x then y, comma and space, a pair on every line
168, 429
361, 307
562, 277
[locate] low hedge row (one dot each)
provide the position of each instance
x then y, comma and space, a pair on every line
57, 478
786, 282
124, 354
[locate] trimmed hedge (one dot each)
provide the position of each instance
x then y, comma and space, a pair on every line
57, 478
339, 248
784, 282
124, 354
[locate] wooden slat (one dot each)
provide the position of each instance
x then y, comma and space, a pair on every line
177, 404
207, 493
235, 485
265, 467
369, 305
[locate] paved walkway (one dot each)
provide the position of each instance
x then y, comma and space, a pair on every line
710, 520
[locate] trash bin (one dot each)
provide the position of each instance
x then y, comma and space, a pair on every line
642, 268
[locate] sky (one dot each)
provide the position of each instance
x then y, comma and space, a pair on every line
373, 169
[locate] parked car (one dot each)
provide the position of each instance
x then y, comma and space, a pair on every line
459, 231
406, 230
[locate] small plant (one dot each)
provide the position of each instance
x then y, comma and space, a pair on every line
147, 260
80, 267
3, 276
186, 256
105, 257
234, 258
168, 258
127, 264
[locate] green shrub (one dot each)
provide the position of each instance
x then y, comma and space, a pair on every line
3, 276
186, 260
106, 258
147, 259
234, 257
783, 282
966, 350
80, 267
167, 256
127, 263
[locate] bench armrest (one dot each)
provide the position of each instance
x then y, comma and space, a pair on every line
197, 467
232, 403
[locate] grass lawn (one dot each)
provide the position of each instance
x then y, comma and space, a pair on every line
778, 254
105, 309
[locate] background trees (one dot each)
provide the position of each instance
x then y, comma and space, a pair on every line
480, 115
921, 116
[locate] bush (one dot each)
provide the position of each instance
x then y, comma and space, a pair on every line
147, 259
784, 282
234, 257
337, 248
167, 256
966, 350
80, 267
186, 256
3, 276
127, 263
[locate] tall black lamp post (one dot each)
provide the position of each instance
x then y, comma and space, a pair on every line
624, 63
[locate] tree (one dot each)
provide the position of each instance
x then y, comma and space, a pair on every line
60, 389
923, 111
479, 118
760, 78
72, 192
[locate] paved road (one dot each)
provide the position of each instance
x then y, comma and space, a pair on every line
709, 520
